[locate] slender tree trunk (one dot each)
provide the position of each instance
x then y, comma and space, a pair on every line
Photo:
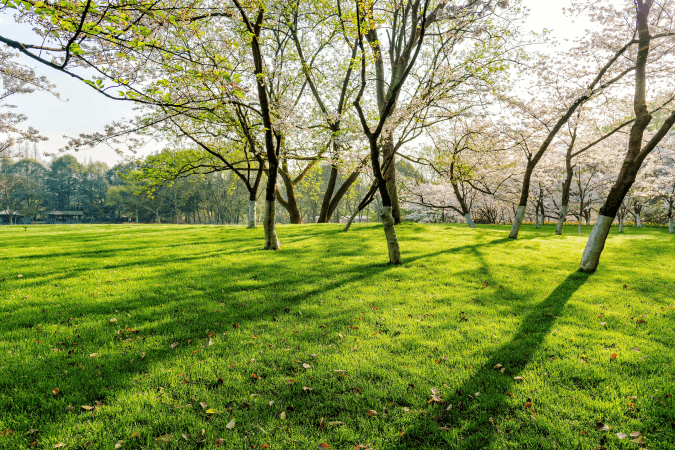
388, 155
621, 224
561, 220
390, 234
269, 224
351, 219
323, 215
517, 221
670, 225
291, 202
579, 224
251, 214
637, 220
536, 217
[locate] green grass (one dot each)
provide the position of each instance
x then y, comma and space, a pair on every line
463, 301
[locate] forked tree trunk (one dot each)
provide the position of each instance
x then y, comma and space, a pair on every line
390, 234
251, 214
269, 224
561, 220
388, 155
517, 221
467, 216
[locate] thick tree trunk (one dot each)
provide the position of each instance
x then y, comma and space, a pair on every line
251, 214
390, 234
269, 224
467, 216
324, 216
291, 202
561, 220
637, 220
517, 221
595, 244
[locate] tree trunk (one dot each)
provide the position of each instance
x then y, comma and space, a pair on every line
637, 220
251, 214
291, 203
269, 224
388, 155
536, 218
579, 224
621, 224
324, 215
517, 221
467, 216
390, 234
351, 219
595, 244
561, 220
670, 225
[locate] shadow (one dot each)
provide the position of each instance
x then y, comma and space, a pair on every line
470, 417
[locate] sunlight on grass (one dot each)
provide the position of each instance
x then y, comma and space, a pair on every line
97, 309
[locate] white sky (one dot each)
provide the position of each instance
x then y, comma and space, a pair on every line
82, 110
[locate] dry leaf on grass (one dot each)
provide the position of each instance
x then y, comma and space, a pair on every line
164, 439
230, 425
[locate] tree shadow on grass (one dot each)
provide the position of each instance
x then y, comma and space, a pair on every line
469, 420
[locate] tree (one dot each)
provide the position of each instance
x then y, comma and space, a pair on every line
646, 16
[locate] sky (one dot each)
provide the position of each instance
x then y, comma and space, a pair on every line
81, 109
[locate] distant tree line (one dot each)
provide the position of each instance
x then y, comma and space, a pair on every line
31, 190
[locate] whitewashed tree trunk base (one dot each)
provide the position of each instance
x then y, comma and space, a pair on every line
670, 225
637, 220
469, 221
595, 244
271, 240
390, 234
251, 214
561, 220
351, 219
517, 221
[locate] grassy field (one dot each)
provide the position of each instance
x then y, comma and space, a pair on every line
131, 336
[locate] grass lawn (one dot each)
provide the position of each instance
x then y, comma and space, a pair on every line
144, 336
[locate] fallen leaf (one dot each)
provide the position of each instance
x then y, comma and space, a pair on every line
7, 432
340, 371
186, 437
306, 366
211, 342
59, 445
142, 355
290, 381
203, 405
322, 423
307, 388
31, 432
613, 356
518, 378
602, 427
497, 366
282, 415
336, 423
434, 391
113, 320
254, 376
406, 409
356, 390
621, 435
641, 321
271, 403
436, 399
93, 354
134, 435
449, 407
372, 413
324, 446
230, 425
509, 393
119, 444
635, 434
19, 276
164, 439
174, 345
639, 441
55, 391
212, 411
219, 442
355, 348
401, 434
340, 336
603, 324
87, 408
